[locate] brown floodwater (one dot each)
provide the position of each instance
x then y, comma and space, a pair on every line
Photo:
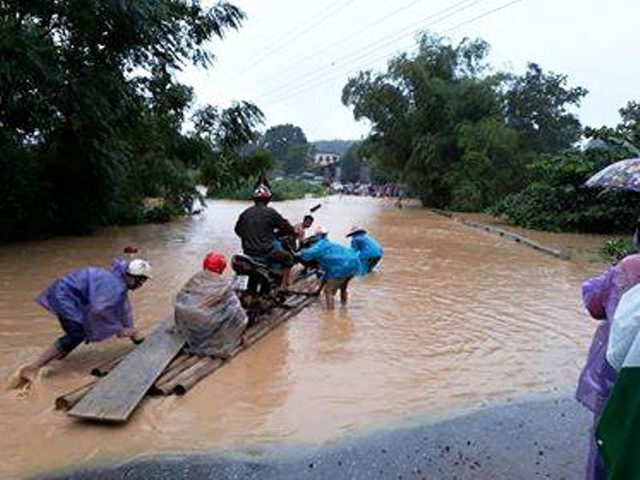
455, 319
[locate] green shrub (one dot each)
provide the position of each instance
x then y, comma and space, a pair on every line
615, 250
283, 189
557, 200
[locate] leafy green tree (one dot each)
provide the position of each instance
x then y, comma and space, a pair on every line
90, 109
227, 132
459, 135
420, 110
624, 138
630, 126
536, 106
351, 164
556, 199
288, 145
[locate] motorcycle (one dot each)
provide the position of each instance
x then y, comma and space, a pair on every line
259, 286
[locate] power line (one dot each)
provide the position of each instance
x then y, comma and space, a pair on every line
294, 30
300, 31
313, 86
382, 42
357, 32
375, 46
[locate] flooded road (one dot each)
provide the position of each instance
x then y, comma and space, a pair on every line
454, 319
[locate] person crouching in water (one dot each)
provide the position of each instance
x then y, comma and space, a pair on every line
339, 263
208, 314
91, 304
368, 249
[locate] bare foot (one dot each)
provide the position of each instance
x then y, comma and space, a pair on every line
29, 374
22, 383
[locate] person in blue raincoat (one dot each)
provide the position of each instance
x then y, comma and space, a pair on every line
91, 304
369, 250
340, 264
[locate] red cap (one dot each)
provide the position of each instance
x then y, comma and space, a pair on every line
214, 262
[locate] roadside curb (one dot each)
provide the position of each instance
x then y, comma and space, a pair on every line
555, 252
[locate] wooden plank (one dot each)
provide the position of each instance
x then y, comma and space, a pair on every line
116, 396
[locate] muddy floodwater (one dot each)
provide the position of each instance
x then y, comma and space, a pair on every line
454, 319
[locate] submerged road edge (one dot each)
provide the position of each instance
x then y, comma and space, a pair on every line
514, 237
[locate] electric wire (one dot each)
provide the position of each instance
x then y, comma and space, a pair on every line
368, 26
303, 31
286, 35
374, 47
299, 91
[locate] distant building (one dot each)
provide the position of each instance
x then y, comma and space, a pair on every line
329, 165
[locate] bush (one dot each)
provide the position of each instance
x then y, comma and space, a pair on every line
291, 189
283, 189
557, 200
615, 250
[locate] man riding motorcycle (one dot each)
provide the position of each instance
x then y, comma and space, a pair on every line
257, 227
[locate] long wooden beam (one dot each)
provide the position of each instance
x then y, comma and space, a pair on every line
116, 396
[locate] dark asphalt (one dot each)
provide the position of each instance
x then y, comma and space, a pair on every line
543, 439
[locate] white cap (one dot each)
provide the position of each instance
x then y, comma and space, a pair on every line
322, 230
139, 268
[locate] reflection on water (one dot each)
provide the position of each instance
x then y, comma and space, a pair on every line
454, 318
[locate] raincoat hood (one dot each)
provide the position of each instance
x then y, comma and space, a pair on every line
119, 267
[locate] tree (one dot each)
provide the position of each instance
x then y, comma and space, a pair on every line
536, 106
351, 164
90, 109
555, 197
420, 109
459, 135
288, 145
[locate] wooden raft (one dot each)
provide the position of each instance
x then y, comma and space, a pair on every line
115, 397
179, 372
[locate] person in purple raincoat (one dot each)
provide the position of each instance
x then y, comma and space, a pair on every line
601, 296
91, 304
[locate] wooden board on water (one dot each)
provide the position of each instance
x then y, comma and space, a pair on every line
116, 396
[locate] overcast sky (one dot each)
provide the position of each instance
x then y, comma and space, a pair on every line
292, 57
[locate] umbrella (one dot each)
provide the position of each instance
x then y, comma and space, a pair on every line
623, 175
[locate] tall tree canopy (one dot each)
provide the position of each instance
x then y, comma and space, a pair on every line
452, 129
90, 112
289, 146
536, 106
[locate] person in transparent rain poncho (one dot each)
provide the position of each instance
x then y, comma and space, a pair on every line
601, 296
208, 314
